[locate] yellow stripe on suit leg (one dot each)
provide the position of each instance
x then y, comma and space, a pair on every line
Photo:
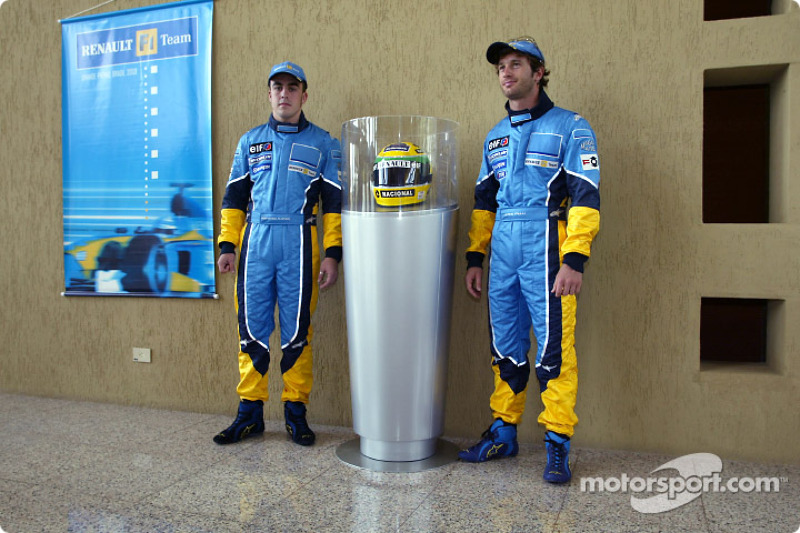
504, 403
561, 393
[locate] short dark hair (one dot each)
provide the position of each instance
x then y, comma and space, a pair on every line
536, 65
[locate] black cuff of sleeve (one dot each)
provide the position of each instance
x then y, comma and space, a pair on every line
575, 261
226, 247
474, 259
335, 252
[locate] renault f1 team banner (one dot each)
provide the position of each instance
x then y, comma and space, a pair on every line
136, 101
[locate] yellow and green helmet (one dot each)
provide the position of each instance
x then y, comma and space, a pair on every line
401, 175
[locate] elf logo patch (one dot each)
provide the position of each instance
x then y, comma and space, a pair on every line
260, 147
494, 144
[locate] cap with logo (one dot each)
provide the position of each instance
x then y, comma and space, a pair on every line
526, 46
289, 68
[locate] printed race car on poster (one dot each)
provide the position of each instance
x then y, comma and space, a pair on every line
175, 254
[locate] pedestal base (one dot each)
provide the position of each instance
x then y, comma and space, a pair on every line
380, 450
350, 453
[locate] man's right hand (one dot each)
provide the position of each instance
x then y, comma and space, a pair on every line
474, 280
227, 263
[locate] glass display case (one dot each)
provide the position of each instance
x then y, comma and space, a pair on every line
399, 226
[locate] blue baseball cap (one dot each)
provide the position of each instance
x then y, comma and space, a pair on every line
526, 46
289, 68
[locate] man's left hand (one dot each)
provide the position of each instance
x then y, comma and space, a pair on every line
328, 272
568, 281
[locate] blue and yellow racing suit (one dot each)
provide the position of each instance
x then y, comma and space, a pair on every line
536, 204
279, 174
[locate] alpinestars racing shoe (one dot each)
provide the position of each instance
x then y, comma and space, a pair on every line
499, 441
249, 422
557, 468
296, 425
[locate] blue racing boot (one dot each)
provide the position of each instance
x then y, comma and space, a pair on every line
249, 422
499, 441
557, 469
296, 425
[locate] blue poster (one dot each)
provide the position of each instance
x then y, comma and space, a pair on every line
136, 104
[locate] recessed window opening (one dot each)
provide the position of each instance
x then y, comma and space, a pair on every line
746, 145
736, 154
733, 330
736, 9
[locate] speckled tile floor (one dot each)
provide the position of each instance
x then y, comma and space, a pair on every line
76, 466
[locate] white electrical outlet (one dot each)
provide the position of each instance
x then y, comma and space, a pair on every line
141, 355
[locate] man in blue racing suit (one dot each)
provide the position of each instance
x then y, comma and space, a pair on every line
537, 204
280, 171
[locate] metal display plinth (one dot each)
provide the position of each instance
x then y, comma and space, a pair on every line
398, 269
350, 453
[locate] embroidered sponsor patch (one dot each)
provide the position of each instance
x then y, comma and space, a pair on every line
497, 154
303, 170
588, 145
590, 162
260, 159
262, 168
494, 144
257, 148
544, 163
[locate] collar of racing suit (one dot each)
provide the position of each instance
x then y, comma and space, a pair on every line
288, 127
526, 115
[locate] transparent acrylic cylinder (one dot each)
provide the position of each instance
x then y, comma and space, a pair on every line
398, 265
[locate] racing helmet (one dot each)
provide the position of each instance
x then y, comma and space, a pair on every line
401, 175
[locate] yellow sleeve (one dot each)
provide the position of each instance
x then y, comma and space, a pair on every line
583, 223
480, 231
231, 226
332, 230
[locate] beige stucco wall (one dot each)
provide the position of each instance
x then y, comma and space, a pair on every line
634, 69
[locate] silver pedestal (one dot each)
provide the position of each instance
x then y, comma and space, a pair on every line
399, 282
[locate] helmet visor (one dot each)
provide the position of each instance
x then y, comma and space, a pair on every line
400, 173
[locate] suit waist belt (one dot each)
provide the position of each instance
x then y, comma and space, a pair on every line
260, 217
511, 214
